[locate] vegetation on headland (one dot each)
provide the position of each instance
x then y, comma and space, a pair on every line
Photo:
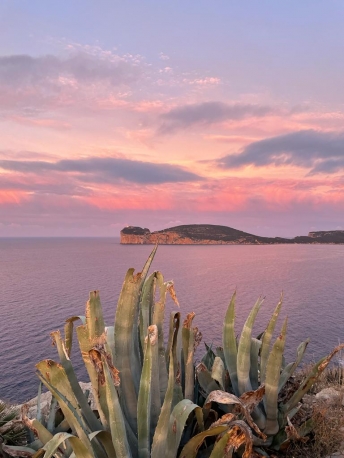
241, 400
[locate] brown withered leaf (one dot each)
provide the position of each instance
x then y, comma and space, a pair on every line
152, 332
96, 360
172, 291
292, 433
252, 398
197, 337
188, 320
223, 397
224, 420
240, 434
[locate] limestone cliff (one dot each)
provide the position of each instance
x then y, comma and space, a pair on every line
328, 236
208, 234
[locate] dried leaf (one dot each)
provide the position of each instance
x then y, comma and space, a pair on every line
172, 292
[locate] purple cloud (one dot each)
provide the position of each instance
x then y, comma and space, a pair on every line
208, 113
321, 152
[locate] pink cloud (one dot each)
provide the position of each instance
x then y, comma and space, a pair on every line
41, 122
237, 139
10, 197
207, 81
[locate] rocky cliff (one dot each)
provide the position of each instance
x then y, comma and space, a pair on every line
327, 236
208, 234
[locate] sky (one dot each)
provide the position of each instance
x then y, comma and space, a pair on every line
161, 113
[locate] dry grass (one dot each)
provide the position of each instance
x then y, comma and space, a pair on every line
327, 436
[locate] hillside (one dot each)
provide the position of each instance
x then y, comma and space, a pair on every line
209, 234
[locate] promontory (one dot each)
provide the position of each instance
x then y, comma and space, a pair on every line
209, 234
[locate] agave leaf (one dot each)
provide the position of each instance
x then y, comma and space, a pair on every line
55, 379
222, 449
146, 305
124, 328
159, 439
238, 434
209, 357
177, 422
127, 347
222, 397
90, 335
142, 276
79, 448
161, 430
254, 354
205, 379
290, 368
190, 450
52, 415
230, 344
90, 418
244, 349
267, 336
105, 438
154, 384
220, 353
43, 434
317, 369
94, 316
68, 331
136, 349
158, 320
174, 324
294, 411
218, 372
110, 341
148, 263
273, 372
62, 427
307, 427
144, 402
188, 338
116, 419
86, 346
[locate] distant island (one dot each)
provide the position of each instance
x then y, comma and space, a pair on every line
209, 234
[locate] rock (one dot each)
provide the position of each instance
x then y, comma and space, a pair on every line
308, 399
46, 401
338, 454
330, 396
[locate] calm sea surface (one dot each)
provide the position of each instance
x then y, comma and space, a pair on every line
44, 281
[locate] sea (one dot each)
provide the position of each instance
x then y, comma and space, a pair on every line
43, 281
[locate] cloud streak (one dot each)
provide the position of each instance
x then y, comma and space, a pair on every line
81, 78
84, 67
107, 170
208, 113
321, 152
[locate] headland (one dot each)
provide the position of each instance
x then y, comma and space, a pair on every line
209, 234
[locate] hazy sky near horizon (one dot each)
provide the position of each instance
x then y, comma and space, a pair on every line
155, 113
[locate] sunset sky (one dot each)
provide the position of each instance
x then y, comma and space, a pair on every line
160, 113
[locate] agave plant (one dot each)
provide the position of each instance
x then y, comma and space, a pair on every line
12, 432
254, 369
143, 390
